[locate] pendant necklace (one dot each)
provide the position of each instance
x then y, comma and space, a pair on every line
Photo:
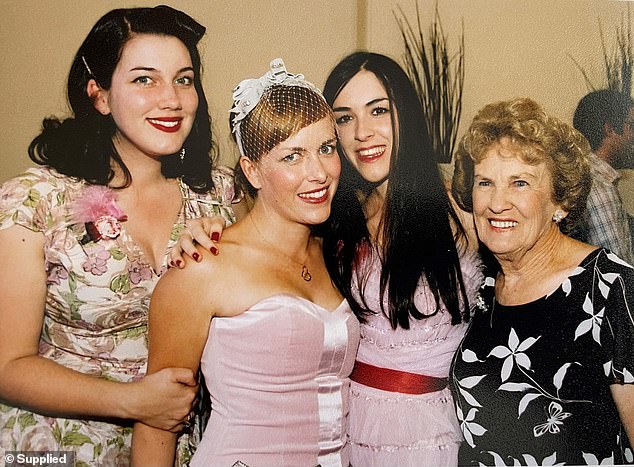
305, 273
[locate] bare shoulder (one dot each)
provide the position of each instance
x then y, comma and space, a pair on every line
188, 297
211, 287
185, 292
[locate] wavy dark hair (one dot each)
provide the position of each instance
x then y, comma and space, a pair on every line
418, 215
81, 146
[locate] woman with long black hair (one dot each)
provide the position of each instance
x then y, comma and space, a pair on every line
396, 249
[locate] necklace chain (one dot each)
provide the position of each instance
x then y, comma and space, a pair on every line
305, 273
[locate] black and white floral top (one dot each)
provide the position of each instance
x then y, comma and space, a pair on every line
532, 382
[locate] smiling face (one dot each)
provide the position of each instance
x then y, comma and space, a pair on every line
512, 202
298, 177
152, 97
364, 121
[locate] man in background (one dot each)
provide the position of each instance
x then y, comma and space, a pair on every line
606, 119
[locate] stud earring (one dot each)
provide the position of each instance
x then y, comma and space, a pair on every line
558, 217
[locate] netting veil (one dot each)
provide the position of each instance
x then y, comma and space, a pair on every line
270, 109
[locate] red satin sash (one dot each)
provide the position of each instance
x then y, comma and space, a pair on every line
395, 380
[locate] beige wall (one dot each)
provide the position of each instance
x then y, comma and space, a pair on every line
514, 47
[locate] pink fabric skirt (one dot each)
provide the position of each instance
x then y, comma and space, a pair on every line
389, 429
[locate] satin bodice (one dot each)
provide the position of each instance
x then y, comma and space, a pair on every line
278, 379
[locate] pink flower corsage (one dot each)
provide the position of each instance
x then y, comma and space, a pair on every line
97, 209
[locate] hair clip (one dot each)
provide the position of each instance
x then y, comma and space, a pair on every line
87, 67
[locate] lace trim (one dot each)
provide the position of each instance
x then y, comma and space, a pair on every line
401, 344
418, 446
402, 398
383, 331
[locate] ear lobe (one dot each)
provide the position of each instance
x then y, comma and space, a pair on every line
251, 172
98, 96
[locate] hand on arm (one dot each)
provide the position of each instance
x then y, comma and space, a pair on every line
42, 385
163, 399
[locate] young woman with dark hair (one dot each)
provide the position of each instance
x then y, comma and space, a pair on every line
82, 146
85, 237
395, 247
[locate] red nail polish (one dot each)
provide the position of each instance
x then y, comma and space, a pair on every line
196, 256
215, 236
214, 251
179, 263
171, 264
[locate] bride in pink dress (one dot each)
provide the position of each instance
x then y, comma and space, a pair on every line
274, 338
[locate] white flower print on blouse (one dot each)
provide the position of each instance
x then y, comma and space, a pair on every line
591, 459
528, 460
514, 353
468, 426
601, 288
592, 323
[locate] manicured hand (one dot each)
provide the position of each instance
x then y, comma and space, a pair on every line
202, 233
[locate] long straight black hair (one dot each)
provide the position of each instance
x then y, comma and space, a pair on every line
81, 146
418, 240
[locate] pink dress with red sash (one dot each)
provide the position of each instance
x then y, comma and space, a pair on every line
411, 422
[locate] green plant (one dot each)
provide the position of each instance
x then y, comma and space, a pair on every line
617, 62
438, 77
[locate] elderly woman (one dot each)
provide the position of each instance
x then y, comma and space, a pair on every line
544, 375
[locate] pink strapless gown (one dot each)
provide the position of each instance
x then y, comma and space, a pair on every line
278, 378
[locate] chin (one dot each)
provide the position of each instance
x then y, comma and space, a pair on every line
318, 219
372, 177
169, 148
498, 249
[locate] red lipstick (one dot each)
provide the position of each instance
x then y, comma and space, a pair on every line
166, 124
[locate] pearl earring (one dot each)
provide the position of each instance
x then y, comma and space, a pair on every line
558, 217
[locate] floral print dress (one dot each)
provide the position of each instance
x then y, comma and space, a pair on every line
532, 382
98, 295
